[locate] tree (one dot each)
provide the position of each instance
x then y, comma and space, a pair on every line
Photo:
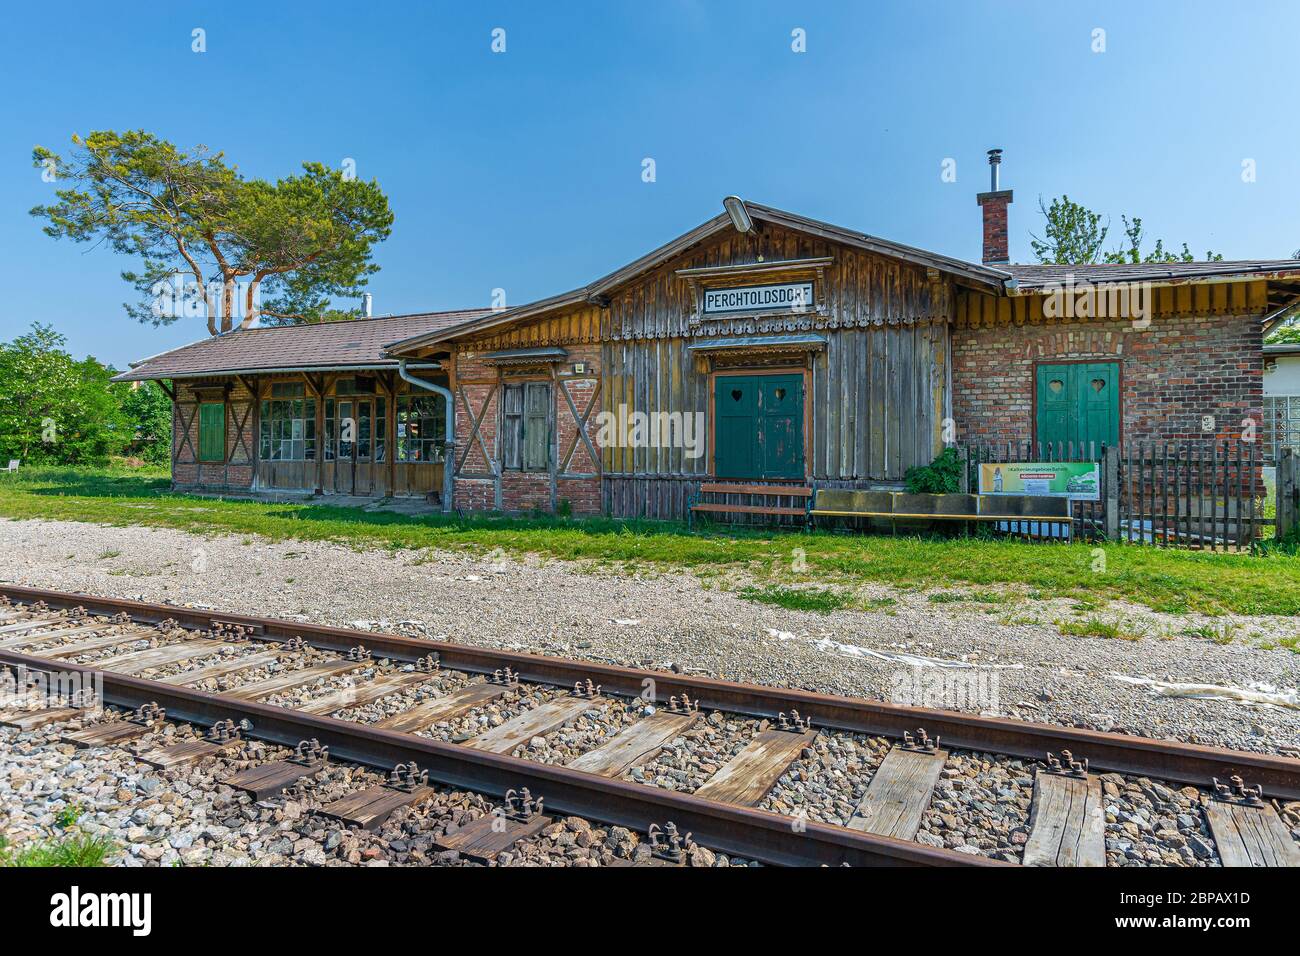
1074, 235
53, 408
148, 413
247, 249
1132, 252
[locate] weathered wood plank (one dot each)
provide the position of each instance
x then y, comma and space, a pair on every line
634, 745
899, 794
1251, 836
269, 779
490, 835
750, 774
187, 752
42, 637
532, 723
107, 734
34, 719
94, 644
32, 623
1067, 822
134, 662
293, 679
221, 668
370, 807
426, 713
361, 694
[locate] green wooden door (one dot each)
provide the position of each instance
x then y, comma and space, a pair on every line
758, 426
1079, 403
780, 433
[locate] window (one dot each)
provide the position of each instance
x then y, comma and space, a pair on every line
288, 426
421, 427
212, 431
526, 426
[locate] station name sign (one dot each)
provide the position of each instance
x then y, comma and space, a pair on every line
785, 296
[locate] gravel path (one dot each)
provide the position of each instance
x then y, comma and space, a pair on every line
1008, 658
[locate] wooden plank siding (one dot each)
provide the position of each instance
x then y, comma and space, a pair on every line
876, 391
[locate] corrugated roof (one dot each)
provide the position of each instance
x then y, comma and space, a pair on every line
359, 342
1032, 277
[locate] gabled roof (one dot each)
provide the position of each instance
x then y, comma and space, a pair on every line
984, 276
355, 344
1033, 277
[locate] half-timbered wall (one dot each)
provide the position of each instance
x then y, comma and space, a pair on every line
236, 472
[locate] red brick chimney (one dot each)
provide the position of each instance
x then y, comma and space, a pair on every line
995, 203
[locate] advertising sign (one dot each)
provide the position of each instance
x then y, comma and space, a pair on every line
1057, 479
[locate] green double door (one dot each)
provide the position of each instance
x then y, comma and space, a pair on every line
758, 426
1079, 403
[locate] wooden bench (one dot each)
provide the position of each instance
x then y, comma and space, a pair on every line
896, 505
753, 493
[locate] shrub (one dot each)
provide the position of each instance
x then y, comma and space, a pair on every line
941, 477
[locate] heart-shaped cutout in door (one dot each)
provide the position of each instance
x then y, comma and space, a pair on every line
1056, 385
1098, 384
737, 394
779, 393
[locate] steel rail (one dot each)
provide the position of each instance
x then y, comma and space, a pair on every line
1120, 753
740, 831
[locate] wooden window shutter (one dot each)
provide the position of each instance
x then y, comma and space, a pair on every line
212, 431
537, 426
512, 425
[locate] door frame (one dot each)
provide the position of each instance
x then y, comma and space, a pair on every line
1106, 360
760, 370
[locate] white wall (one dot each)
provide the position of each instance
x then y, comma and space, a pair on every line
1284, 377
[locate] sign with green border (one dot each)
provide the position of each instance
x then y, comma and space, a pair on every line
1055, 479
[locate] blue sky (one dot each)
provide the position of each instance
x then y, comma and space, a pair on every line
522, 170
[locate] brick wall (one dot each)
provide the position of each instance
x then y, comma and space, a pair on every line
1172, 373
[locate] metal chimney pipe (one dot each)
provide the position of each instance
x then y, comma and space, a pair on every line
366, 301
995, 161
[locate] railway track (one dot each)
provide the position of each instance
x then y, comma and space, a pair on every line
412, 708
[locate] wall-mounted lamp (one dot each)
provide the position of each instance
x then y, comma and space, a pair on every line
735, 207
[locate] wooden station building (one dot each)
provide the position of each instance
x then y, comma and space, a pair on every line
761, 345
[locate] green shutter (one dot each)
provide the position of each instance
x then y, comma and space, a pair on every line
212, 431
1078, 403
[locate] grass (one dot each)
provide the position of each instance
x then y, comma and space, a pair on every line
799, 599
1167, 580
1097, 627
1222, 633
69, 850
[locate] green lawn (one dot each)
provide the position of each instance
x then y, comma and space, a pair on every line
1165, 580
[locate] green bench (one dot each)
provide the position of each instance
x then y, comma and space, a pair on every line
901, 506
